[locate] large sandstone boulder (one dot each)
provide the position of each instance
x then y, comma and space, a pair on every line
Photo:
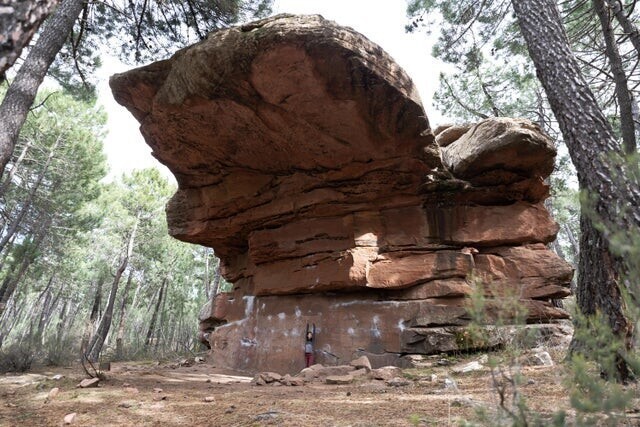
305, 159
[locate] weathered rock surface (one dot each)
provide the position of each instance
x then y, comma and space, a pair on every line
305, 159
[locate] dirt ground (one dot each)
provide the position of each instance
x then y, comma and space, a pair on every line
149, 394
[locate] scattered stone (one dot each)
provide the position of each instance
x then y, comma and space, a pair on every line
443, 362
53, 393
126, 385
541, 358
359, 372
348, 393
187, 362
464, 402
433, 378
199, 359
386, 373
69, 418
209, 399
339, 370
398, 382
296, 381
450, 384
259, 381
157, 390
469, 367
266, 416
270, 377
484, 359
57, 377
531, 381
230, 409
339, 379
89, 382
361, 362
126, 404
159, 398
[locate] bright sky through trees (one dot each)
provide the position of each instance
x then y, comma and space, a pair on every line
381, 21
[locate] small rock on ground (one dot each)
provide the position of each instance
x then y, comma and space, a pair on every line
69, 418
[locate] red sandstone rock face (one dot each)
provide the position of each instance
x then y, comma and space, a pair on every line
304, 158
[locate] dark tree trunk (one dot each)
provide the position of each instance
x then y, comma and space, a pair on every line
23, 89
590, 140
93, 317
625, 103
18, 26
154, 316
630, 29
95, 346
121, 322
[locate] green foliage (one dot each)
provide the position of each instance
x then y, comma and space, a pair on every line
73, 236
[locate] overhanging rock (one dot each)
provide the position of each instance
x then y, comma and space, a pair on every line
304, 158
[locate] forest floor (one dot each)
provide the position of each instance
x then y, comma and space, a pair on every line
151, 394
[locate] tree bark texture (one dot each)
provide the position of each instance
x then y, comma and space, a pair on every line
591, 143
623, 95
22, 91
19, 20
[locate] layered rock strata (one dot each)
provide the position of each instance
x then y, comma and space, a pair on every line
305, 159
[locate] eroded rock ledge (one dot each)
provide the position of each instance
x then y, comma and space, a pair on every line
305, 159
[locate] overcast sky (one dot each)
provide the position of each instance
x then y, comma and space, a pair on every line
382, 21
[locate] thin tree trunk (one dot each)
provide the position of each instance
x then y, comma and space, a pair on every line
589, 139
217, 275
26, 204
121, 322
627, 127
627, 25
207, 282
27, 260
93, 317
95, 346
14, 168
154, 316
163, 317
22, 91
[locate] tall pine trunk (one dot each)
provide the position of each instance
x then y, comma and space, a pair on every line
590, 141
625, 102
95, 346
121, 322
22, 91
154, 316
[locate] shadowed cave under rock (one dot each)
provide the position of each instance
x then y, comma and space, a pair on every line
304, 157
